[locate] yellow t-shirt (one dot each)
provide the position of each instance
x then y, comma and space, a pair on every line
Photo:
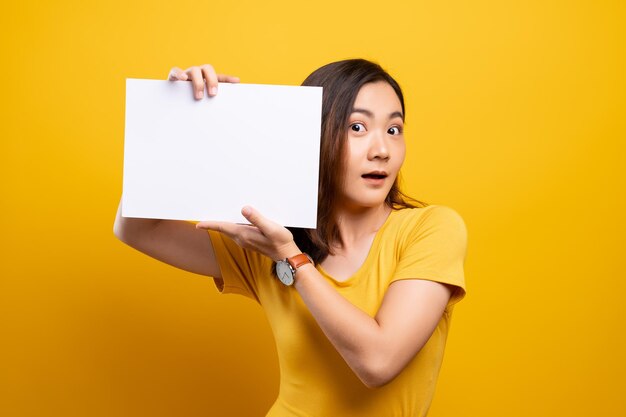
422, 243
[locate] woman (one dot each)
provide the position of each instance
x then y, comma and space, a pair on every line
362, 306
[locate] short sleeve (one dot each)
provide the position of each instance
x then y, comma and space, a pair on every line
240, 268
434, 249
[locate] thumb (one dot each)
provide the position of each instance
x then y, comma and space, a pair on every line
254, 217
177, 74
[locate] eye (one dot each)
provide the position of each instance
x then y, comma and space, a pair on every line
357, 127
395, 130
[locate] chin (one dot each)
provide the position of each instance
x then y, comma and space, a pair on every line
366, 203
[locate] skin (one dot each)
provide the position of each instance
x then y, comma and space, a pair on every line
376, 348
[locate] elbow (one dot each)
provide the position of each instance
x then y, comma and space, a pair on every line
374, 382
117, 223
377, 373
119, 232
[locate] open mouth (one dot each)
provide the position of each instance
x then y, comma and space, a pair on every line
375, 175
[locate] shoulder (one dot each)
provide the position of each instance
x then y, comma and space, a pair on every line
432, 216
432, 225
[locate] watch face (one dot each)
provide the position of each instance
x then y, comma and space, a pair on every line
284, 272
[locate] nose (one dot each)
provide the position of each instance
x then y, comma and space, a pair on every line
379, 148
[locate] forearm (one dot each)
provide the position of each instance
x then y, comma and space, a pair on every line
357, 337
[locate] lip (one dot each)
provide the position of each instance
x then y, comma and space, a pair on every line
376, 173
375, 177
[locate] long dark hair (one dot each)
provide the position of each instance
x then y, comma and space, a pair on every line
341, 82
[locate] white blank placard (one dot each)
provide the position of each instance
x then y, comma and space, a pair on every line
252, 144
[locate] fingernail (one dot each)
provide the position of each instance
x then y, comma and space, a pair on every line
213, 91
199, 94
246, 211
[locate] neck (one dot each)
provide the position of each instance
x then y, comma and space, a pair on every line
355, 225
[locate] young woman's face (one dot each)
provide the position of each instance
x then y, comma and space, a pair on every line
375, 146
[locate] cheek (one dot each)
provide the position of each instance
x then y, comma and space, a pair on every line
401, 154
352, 155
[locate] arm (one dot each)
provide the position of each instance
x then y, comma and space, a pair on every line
177, 243
376, 349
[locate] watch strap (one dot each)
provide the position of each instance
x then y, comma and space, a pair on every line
299, 260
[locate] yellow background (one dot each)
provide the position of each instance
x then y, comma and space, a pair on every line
515, 116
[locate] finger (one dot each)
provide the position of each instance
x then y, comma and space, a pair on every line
230, 229
244, 235
223, 78
211, 78
257, 219
197, 81
212, 225
177, 74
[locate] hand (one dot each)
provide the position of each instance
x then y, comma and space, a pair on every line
197, 75
263, 235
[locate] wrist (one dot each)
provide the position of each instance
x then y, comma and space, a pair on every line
304, 277
287, 269
288, 251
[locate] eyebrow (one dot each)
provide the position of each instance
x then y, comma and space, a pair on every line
371, 115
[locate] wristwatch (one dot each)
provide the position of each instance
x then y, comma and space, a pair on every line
286, 269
